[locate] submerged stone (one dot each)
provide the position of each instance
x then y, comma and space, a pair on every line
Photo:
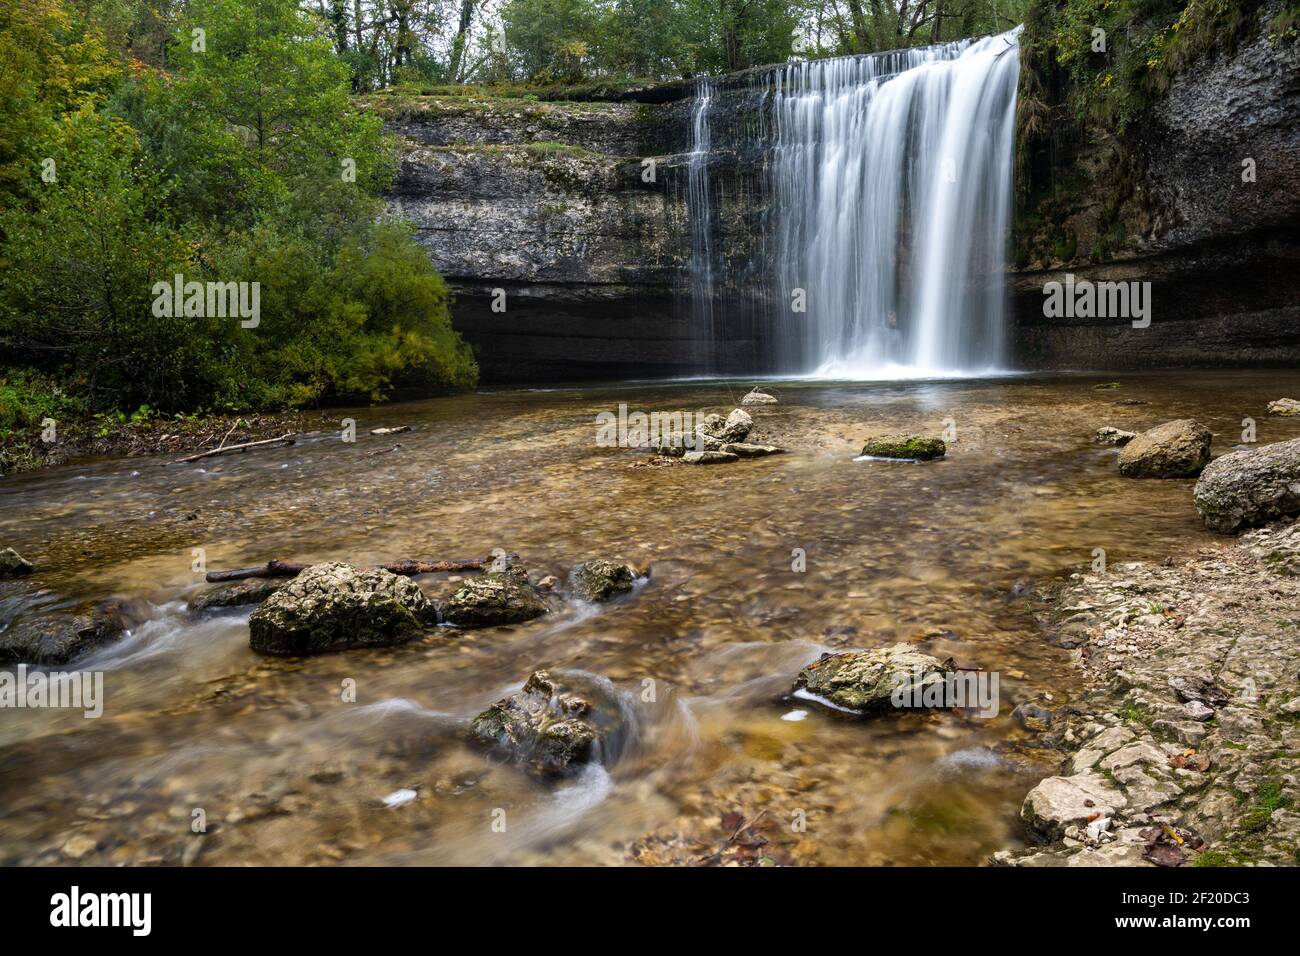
905, 447
743, 450
709, 457
334, 606
1113, 436
61, 637
239, 594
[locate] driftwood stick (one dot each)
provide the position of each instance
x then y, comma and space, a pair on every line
287, 437
291, 569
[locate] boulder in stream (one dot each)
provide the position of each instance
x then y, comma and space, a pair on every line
333, 606
491, 599
600, 580
755, 397
61, 637
865, 682
14, 565
1285, 407
553, 725
905, 447
1252, 487
1177, 449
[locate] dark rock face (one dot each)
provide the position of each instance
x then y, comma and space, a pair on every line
14, 565
1223, 255
553, 725
239, 594
334, 606
60, 638
1244, 489
492, 599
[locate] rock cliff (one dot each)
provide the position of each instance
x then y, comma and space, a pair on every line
562, 227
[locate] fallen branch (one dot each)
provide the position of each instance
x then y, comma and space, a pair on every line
291, 569
287, 438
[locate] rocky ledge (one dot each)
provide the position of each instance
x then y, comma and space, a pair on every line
1185, 746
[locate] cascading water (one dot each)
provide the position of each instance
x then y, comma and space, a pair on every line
892, 179
701, 220
889, 180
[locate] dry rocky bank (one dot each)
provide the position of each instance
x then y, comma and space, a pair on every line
1184, 746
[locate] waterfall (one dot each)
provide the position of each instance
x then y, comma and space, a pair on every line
888, 182
701, 219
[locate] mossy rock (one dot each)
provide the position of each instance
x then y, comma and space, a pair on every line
554, 725
334, 606
905, 447
865, 682
599, 580
493, 599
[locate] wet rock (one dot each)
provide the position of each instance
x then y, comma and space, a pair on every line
1060, 802
333, 606
1201, 689
674, 445
60, 637
709, 457
1284, 406
1032, 716
493, 599
505, 562
755, 397
1177, 449
234, 595
905, 447
553, 725
14, 565
600, 580
1113, 436
717, 430
743, 450
865, 682
1252, 487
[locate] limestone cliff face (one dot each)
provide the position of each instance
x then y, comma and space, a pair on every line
561, 252
573, 215
1222, 254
